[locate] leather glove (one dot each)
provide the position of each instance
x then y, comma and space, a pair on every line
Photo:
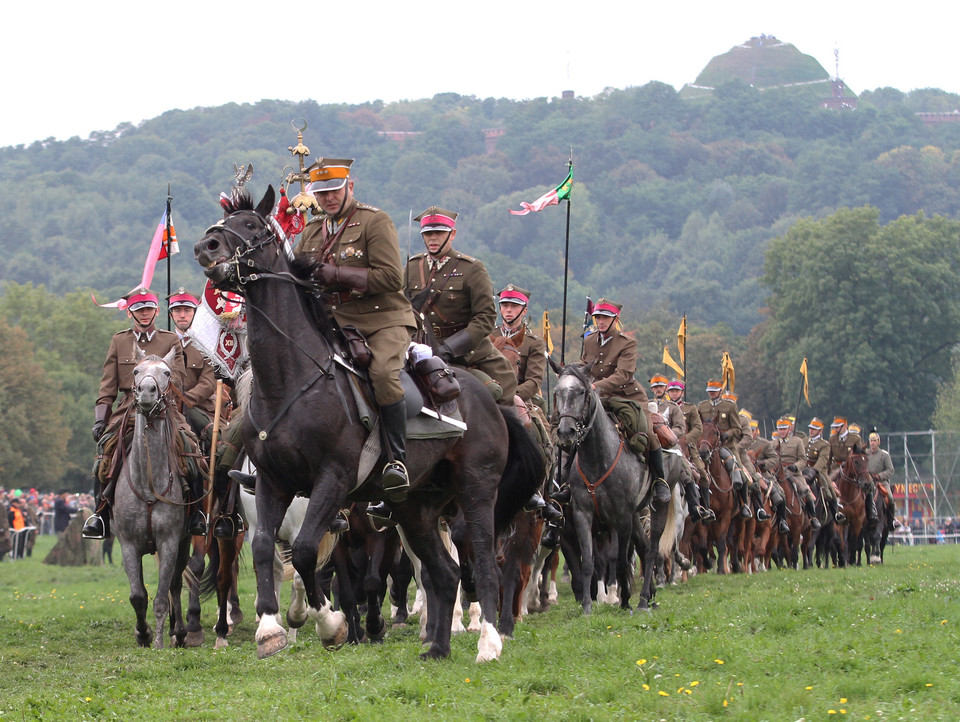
326, 274
724, 436
98, 428
100, 416
762, 465
793, 468
446, 353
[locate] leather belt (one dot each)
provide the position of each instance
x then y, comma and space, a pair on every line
442, 332
337, 297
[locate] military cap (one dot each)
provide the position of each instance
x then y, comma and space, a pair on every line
784, 422
141, 298
815, 423
329, 174
714, 385
182, 298
603, 307
437, 219
658, 380
676, 384
514, 294
838, 421
744, 412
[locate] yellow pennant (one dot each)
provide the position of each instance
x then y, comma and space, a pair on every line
806, 383
668, 360
682, 340
545, 332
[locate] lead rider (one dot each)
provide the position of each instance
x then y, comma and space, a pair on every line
356, 257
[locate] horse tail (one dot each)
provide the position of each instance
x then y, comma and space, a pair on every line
669, 536
522, 475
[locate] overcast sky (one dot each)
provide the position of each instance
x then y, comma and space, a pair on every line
73, 68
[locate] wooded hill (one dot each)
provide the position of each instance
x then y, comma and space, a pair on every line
675, 205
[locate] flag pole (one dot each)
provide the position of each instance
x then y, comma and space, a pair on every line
566, 266
169, 248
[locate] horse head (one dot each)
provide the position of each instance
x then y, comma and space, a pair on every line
242, 245
575, 403
151, 379
710, 439
854, 468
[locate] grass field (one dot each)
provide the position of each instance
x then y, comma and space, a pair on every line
877, 643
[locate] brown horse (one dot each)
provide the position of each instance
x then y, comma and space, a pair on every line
723, 499
796, 520
851, 477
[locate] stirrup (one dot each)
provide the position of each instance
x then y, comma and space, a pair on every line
815, 523
96, 527
381, 513
395, 482
198, 523
551, 512
563, 496
840, 518
661, 491
706, 515
783, 527
762, 514
340, 523
228, 526
745, 512
534, 503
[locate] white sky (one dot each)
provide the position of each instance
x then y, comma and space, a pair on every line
72, 68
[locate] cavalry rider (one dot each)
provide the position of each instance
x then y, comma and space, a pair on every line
694, 430
724, 414
353, 247
200, 383
528, 355
818, 457
880, 466
142, 309
453, 293
790, 451
842, 442
763, 470
676, 420
527, 350
611, 359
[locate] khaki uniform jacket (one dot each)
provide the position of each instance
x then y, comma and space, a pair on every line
531, 363
201, 382
790, 450
818, 455
368, 240
764, 450
840, 448
121, 358
460, 298
673, 415
727, 418
881, 464
694, 424
614, 364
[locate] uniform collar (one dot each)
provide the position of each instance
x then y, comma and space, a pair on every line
604, 340
145, 335
436, 264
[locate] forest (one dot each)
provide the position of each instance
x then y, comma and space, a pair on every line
782, 230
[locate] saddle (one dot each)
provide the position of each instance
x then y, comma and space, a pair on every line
667, 436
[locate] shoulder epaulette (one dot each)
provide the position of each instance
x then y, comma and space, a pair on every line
120, 333
367, 207
315, 219
418, 256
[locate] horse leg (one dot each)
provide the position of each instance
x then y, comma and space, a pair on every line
583, 523
167, 556
401, 574
439, 574
331, 625
133, 565
178, 630
270, 636
225, 581
195, 570
624, 568
379, 550
659, 511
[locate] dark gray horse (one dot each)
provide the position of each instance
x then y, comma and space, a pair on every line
302, 432
610, 486
149, 505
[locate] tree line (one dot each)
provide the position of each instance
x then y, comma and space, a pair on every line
780, 229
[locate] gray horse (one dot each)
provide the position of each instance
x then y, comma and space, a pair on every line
149, 509
610, 486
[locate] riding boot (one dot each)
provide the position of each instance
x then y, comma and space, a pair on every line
198, 522
838, 516
661, 491
534, 503
97, 526
781, 512
741, 490
697, 512
891, 518
551, 511
551, 536
871, 507
381, 514
705, 498
812, 512
340, 523
393, 422
563, 495
762, 514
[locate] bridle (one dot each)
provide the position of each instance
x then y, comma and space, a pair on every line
583, 421
158, 409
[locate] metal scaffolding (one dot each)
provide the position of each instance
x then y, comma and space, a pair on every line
927, 463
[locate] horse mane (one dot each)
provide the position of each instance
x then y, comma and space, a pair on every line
579, 370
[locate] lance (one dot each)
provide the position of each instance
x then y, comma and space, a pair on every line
211, 471
169, 248
796, 414
566, 266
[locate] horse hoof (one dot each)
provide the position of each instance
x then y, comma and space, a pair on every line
145, 640
431, 654
399, 625
272, 644
337, 640
194, 639
379, 634
221, 643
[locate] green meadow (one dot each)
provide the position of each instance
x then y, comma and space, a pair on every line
870, 643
